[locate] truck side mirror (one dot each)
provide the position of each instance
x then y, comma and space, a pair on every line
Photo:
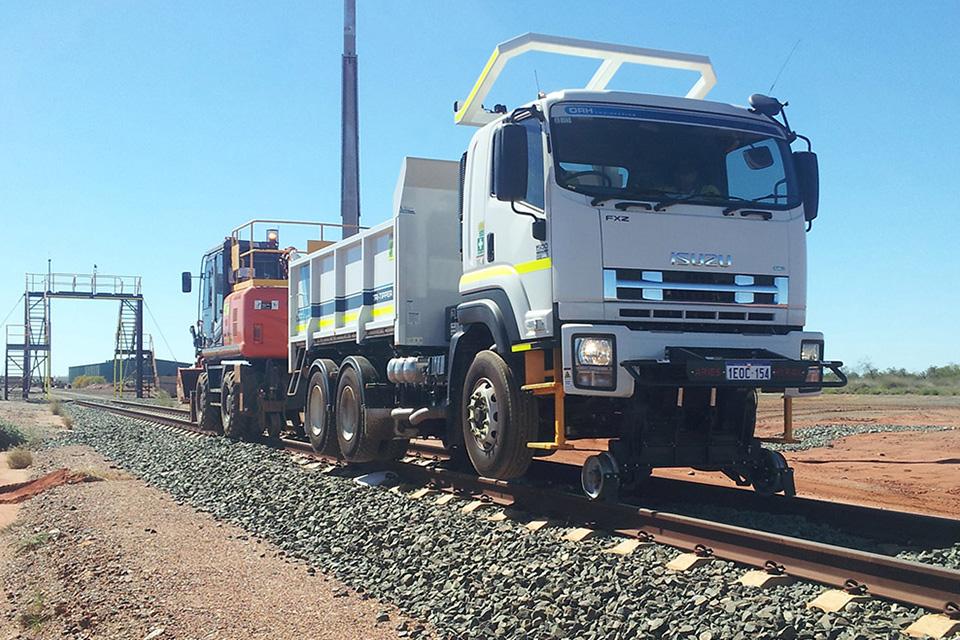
808, 173
186, 282
510, 162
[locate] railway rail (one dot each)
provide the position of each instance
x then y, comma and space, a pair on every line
932, 587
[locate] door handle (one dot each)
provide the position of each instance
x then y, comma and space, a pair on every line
490, 250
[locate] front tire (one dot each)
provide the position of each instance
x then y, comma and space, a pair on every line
498, 419
236, 426
208, 417
318, 415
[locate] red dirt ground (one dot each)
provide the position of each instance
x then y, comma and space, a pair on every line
16, 493
910, 471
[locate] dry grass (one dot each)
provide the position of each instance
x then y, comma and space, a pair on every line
56, 408
35, 613
67, 422
94, 474
28, 544
19, 458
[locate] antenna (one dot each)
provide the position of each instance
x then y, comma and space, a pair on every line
536, 79
784, 65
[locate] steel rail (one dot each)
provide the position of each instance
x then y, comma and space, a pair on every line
141, 414
929, 586
924, 585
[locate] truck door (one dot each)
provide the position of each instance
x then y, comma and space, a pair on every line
212, 292
500, 251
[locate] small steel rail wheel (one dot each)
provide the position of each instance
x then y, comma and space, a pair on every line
296, 421
358, 437
600, 477
498, 419
276, 422
208, 417
236, 426
318, 415
767, 474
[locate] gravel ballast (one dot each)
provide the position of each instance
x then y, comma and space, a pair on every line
468, 577
824, 435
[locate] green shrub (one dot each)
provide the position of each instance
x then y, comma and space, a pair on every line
10, 436
85, 381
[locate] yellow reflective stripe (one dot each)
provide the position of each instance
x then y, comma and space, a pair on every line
523, 346
350, 316
386, 310
462, 111
326, 322
505, 270
489, 272
533, 265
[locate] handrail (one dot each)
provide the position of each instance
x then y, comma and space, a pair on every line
245, 233
83, 283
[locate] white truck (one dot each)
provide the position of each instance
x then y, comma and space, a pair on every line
599, 264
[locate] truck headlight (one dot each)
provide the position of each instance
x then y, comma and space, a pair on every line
811, 351
594, 362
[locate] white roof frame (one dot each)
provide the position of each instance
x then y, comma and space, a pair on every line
612, 56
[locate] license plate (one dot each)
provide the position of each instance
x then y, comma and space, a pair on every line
748, 370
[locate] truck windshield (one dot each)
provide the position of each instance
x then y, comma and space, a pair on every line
630, 153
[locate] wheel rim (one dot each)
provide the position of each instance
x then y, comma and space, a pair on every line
318, 408
768, 475
348, 413
599, 476
483, 415
226, 398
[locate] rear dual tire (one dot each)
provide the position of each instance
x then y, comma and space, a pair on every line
361, 436
318, 414
336, 419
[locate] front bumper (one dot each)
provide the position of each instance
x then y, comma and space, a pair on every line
687, 359
701, 367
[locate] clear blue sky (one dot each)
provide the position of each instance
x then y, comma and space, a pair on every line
134, 135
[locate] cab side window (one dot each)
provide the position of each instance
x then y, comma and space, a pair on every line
534, 163
218, 286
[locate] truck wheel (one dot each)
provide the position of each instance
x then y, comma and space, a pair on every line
318, 415
207, 415
498, 419
391, 450
236, 426
359, 438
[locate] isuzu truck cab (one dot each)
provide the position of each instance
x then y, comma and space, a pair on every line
657, 247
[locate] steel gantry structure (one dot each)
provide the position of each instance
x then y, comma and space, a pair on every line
28, 345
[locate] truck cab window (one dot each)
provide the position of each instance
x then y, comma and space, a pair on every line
218, 286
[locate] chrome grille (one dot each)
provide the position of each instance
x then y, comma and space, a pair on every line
638, 285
